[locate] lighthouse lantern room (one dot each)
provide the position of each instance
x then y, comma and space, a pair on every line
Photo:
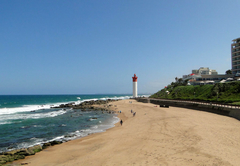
134, 86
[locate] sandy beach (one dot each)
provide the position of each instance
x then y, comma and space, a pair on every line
155, 136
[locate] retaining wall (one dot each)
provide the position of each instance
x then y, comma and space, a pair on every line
235, 113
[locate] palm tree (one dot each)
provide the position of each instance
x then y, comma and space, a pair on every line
176, 79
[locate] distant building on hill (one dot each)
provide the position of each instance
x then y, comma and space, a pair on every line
235, 50
204, 71
204, 75
197, 73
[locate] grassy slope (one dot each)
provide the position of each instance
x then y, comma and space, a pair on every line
223, 92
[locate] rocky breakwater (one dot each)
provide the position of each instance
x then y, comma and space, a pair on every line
18, 154
100, 105
12, 155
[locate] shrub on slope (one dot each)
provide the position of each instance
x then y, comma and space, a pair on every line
223, 92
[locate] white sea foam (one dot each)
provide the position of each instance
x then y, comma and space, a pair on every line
28, 108
91, 119
101, 127
70, 136
6, 117
81, 101
34, 141
94, 127
106, 98
37, 125
57, 138
1, 123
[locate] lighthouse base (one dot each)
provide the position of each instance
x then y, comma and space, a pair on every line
134, 89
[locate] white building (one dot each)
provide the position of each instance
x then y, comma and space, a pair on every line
204, 71
235, 50
204, 75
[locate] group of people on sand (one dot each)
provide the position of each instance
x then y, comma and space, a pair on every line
134, 113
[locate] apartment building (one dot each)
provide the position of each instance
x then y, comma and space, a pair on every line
235, 49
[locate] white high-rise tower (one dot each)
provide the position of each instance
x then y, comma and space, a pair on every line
134, 86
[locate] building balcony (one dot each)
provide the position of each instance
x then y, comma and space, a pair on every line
235, 54
236, 67
236, 63
235, 71
235, 58
236, 46
236, 41
236, 50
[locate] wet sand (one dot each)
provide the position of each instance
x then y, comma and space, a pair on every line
155, 136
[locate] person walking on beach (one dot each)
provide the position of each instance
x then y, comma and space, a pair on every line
134, 114
121, 122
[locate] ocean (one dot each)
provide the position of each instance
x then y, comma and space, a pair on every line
28, 120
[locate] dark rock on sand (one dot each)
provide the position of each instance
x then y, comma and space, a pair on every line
45, 145
55, 142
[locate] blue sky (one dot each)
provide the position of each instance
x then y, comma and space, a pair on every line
92, 46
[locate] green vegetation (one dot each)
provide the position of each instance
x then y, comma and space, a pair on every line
221, 92
229, 72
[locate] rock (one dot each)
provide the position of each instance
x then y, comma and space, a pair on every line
18, 154
55, 142
11, 158
91, 119
45, 145
3, 159
12, 152
23, 152
34, 149
88, 105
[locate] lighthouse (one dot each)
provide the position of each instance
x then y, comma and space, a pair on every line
134, 86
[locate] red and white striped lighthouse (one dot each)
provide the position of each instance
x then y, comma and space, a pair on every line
134, 86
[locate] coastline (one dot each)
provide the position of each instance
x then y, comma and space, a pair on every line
94, 106
155, 136
29, 120
99, 107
